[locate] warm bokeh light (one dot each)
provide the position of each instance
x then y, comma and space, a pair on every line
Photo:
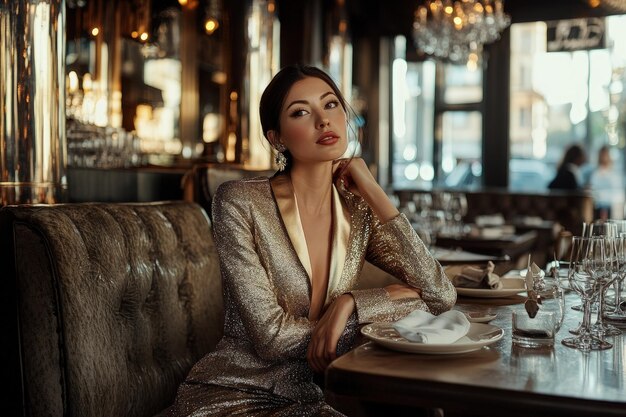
73, 81
211, 25
95, 31
219, 77
182, 2
144, 36
87, 83
472, 61
594, 3
134, 34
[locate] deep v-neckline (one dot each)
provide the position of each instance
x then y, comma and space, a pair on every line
285, 198
319, 236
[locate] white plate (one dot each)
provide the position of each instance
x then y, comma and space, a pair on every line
479, 335
510, 287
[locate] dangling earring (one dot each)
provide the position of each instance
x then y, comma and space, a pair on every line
280, 159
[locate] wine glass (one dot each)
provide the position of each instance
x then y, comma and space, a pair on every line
609, 231
600, 228
458, 210
424, 202
618, 314
587, 261
597, 228
436, 222
613, 247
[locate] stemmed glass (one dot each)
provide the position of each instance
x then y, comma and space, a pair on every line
420, 217
436, 221
588, 261
423, 202
619, 314
458, 210
615, 251
609, 231
597, 228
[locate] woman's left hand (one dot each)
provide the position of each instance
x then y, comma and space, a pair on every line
355, 175
323, 346
358, 179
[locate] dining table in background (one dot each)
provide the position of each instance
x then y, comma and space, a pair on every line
498, 380
456, 256
514, 246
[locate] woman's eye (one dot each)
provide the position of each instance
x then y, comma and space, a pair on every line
332, 104
298, 113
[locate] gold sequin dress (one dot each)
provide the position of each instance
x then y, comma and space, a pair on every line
259, 367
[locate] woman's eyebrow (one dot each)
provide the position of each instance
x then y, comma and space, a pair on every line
306, 102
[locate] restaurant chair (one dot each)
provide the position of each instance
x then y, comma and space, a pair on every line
200, 183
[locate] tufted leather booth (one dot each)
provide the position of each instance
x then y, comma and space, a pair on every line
568, 209
109, 305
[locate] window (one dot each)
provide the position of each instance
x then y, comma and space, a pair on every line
412, 106
461, 148
460, 133
569, 97
436, 142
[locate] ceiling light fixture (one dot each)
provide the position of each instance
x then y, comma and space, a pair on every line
456, 31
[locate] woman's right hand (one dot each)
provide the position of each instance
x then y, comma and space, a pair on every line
323, 345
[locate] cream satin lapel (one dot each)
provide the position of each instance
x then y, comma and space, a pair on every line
286, 201
341, 240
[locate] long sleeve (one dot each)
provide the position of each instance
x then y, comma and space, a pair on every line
395, 248
274, 333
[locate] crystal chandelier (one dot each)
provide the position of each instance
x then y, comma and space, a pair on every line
457, 30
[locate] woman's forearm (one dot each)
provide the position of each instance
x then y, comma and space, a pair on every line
378, 201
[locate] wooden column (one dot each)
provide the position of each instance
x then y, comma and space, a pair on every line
496, 76
189, 103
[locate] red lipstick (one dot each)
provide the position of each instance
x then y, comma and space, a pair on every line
328, 138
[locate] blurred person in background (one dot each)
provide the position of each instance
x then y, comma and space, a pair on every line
607, 187
568, 175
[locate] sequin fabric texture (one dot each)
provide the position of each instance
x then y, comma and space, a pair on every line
259, 367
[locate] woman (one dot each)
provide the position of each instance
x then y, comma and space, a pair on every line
291, 249
568, 176
606, 186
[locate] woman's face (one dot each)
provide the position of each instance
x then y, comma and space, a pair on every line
313, 122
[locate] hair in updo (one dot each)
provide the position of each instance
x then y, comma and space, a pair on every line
273, 97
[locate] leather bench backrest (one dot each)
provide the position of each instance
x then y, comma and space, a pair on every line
114, 304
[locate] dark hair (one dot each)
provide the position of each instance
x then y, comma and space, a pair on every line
273, 97
575, 154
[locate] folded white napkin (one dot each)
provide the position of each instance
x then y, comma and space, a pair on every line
423, 327
476, 277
